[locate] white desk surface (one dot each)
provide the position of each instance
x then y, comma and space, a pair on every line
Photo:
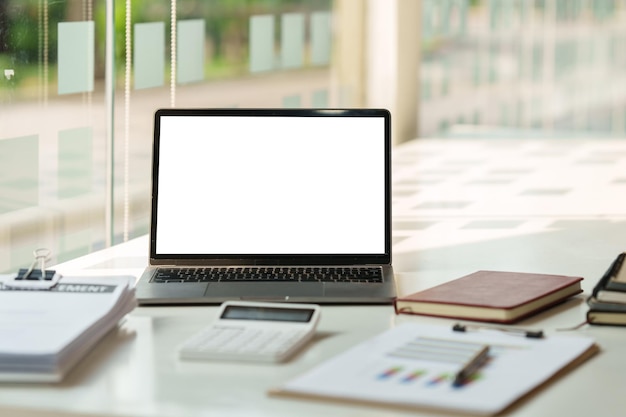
459, 206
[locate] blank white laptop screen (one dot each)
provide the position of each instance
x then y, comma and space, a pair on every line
271, 185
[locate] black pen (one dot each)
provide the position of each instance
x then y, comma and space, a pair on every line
471, 366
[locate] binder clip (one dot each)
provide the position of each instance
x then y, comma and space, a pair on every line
35, 278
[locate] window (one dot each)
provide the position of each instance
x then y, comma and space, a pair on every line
81, 79
75, 147
541, 67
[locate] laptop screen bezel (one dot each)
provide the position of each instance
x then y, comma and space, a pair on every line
272, 259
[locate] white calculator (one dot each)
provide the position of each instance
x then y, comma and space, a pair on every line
254, 331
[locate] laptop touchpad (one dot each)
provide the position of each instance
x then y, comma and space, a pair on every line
265, 290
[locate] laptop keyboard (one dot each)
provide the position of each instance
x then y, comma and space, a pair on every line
273, 274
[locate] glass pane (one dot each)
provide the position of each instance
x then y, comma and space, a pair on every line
546, 67
320, 99
292, 40
75, 57
19, 170
75, 162
320, 38
261, 43
292, 101
190, 51
259, 53
149, 54
52, 130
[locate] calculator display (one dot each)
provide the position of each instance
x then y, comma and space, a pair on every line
267, 313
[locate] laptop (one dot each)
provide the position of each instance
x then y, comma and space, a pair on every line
284, 205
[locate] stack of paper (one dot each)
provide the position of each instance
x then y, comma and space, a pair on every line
44, 333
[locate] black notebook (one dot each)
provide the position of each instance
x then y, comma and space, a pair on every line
607, 303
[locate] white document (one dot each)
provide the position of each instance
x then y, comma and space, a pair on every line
411, 365
44, 333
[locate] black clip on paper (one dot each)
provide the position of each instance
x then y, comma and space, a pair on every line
532, 334
35, 279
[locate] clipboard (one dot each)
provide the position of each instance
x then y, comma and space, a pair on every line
373, 372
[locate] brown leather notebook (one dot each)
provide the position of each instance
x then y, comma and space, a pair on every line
491, 296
